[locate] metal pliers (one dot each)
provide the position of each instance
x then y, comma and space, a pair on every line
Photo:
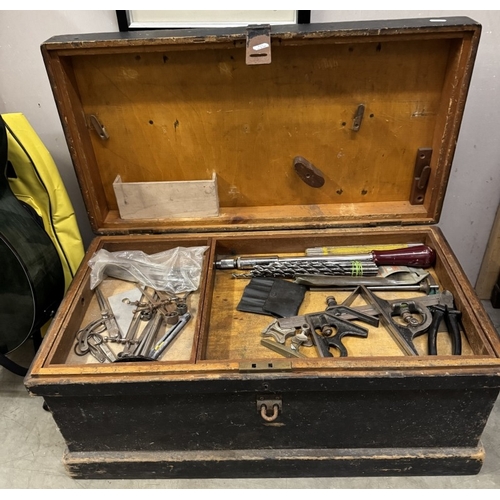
445, 310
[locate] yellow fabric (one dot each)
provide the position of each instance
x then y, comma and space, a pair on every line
39, 184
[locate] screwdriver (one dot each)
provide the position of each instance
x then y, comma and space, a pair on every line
415, 256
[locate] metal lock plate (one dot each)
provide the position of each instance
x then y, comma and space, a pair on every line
258, 44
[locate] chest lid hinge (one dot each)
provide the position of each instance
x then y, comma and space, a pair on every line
421, 176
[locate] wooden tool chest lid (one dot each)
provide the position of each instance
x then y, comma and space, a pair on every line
302, 126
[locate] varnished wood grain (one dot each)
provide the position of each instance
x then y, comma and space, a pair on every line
207, 110
237, 335
176, 110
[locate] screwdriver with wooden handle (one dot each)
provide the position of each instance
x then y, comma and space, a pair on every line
421, 256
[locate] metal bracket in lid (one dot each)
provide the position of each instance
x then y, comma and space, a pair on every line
258, 44
311, 175
358, 117
98, 127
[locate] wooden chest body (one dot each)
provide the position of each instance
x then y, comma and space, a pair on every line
183, 106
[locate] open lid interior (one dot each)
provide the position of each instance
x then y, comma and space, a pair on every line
348, 124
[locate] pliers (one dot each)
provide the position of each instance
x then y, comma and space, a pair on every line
451, 318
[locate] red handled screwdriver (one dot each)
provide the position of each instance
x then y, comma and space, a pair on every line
415, 256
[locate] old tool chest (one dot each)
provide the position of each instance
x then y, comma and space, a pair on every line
267, 141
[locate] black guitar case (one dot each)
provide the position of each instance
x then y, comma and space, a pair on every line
32, 278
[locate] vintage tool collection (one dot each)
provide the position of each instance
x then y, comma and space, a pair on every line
163, 318
344, 138
403, 318
159, 317
165, 280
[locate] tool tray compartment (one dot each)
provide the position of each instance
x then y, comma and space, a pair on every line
370, 114
222, 334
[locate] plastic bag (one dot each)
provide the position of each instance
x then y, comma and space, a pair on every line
176, 271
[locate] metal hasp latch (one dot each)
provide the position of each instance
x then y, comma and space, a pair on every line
268, 408
258, 46
421, 176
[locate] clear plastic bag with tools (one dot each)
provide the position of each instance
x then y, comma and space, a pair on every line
176, 271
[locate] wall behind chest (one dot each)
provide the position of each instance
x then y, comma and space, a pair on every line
25, 88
